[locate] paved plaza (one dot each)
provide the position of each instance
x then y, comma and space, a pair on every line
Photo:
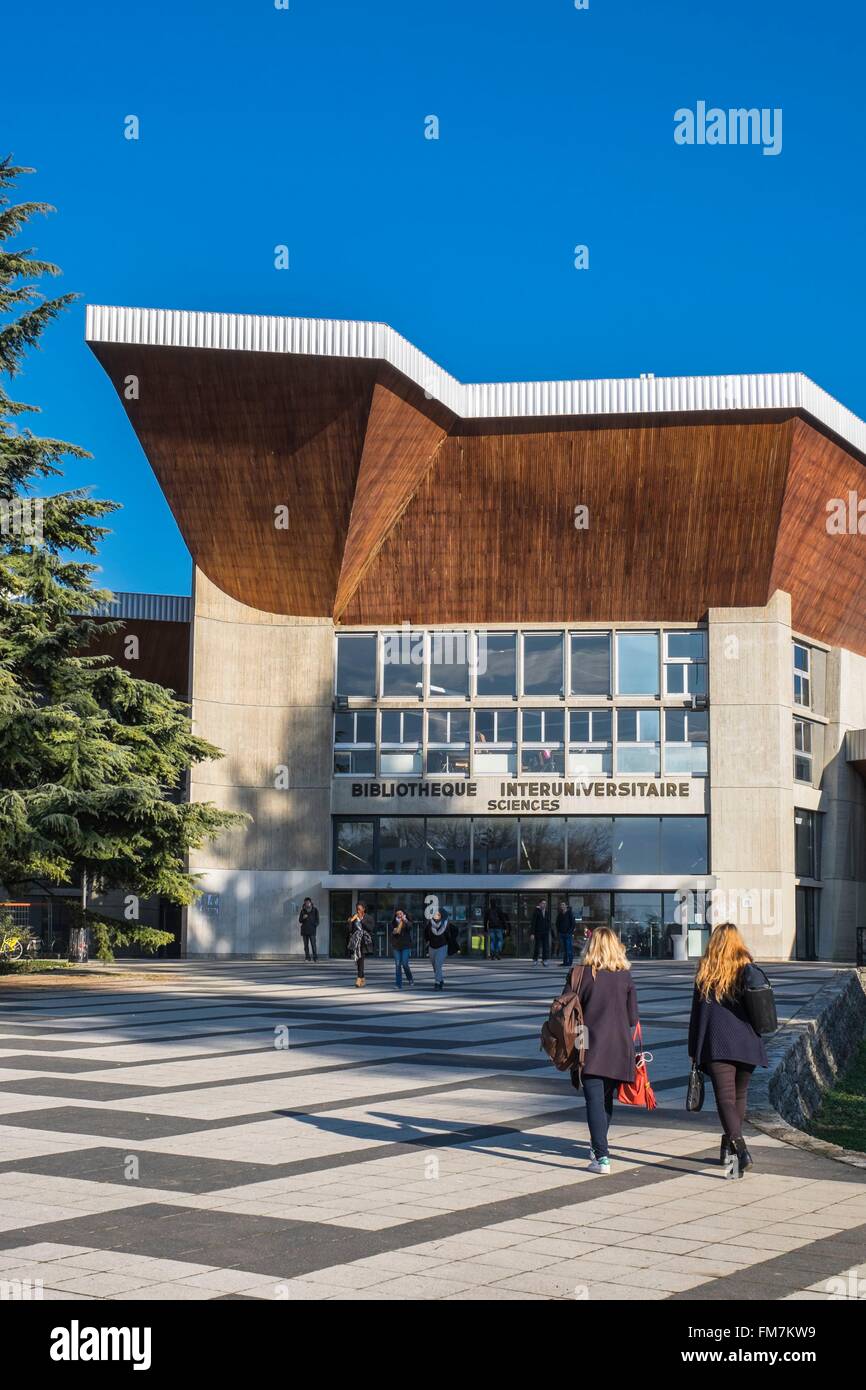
268, 1131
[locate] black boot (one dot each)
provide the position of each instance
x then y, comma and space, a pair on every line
744, 1158
725, 1149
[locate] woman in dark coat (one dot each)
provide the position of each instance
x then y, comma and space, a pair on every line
609, 1001
722, 1041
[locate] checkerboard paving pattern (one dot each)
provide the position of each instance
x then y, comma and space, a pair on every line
212, 1130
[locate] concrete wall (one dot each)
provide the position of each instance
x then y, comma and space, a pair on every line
843, 802
751, 771
262, 687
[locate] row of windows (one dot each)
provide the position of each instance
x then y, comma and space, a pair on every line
675, 845
491, 664
485, 741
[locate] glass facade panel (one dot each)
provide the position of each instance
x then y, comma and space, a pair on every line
356, 762
449, 844
356, 665
590, 845
450, 659
807, 844
354, 847
542, 845
494, 845
402, 845
637, 658
403, 663
590, 663
542, 663
636, 845
497, 664
683, 845
638, 919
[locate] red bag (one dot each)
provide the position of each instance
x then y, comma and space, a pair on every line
639, 1091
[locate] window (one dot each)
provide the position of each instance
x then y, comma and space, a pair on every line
353, 847
636, 844
448, 741
543, 734
637, 735
494, 845
686, 733
542, 663
495, 741
402, 845
542, 845
683, 845
807, 844
450, 657
497, 664
590, 844
356, 665
355, 743
449, 845
589, 742
802, 750
590, 663
637, 663
686, 663
403, 663
802, 675
400, 754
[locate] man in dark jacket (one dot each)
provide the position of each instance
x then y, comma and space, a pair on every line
565, 931
540, 932
308, 921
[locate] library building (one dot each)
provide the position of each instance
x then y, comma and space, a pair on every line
485, 647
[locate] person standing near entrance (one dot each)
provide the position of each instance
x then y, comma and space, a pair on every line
722, 1041
565, 932
401, 946
495, 925
609, 1001
360, 942
308, 921
438, 935
540, 932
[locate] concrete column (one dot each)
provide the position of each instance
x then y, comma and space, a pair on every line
262, 688
751, 772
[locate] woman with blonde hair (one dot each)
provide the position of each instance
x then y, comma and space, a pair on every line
722, 1041
607, 995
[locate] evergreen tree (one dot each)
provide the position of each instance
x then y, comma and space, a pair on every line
93, 761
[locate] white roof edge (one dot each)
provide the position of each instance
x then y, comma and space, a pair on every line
108, 323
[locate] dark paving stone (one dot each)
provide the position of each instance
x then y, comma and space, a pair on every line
114, 1124
821, 1259
34, 1062
67, 1088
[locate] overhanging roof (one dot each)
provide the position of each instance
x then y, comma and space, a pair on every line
411, 496
377, 342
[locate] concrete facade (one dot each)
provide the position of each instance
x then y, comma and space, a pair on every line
263, 691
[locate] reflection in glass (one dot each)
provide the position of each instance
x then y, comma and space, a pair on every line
590, 663
637, 657
449, 663
401, 845
354, 847
542, 845
590, 844
448, 845
494, 845
497, 664
542, 663
356, 665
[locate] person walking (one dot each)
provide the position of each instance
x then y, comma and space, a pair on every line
401, 946
495, 925
565, 932
610, 1015
540, 932
308, 921
360, 942
722, 1041
438, 935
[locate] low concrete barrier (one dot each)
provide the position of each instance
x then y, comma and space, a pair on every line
806, 1056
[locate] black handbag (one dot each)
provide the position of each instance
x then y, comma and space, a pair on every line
696, 1089
759, 1000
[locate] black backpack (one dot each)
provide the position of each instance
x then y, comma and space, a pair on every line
759, 1000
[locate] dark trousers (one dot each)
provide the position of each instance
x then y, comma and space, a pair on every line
567, 942
541, 945
598, 1092
359, 967
731, 1089
310, 946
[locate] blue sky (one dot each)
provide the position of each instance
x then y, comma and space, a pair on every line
306, 127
